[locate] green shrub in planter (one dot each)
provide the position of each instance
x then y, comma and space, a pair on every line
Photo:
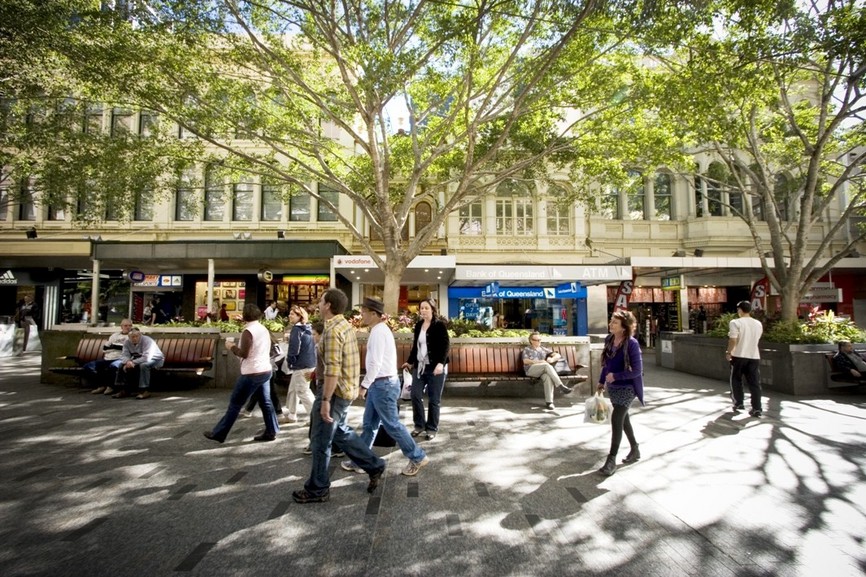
720, 325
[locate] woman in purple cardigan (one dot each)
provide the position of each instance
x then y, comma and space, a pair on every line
622, 374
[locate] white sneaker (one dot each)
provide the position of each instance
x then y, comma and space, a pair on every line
348, 465
246, 413
412, 468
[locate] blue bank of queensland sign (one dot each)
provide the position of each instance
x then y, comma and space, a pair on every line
564, 291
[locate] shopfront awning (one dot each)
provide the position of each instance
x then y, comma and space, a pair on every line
516, 275
423, 270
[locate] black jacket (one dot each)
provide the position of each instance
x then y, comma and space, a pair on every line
438, 343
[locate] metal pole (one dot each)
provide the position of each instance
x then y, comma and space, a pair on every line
94, 295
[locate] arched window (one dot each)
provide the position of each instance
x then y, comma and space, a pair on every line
423, 217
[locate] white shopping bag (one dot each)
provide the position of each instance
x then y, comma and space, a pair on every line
406, 391
597, 409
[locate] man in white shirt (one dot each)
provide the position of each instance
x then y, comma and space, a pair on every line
105, 369
743, 354
272, 311
381, 389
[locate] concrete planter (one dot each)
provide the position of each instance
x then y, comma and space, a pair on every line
791, 369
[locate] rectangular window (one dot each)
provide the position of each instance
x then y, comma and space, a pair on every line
299, 206
558, 219
93, 119
714, 197
143, 206
242, 203
214, 198
635, 197
523, 217
470, 219
27, 205
325, 212
504, 216
4, 204
662, 194
272, 202
184, 205
56, 212
147, 122
609, 204
699, 197
112, 210
121, 121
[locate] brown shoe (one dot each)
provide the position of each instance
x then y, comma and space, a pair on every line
108, 391
120, 395
98, 390
145, 394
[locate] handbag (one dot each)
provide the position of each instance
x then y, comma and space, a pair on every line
597, 409
406, 390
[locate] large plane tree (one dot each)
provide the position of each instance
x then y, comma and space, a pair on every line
777, 92
492, 90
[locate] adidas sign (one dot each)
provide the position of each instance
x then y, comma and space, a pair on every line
7, 278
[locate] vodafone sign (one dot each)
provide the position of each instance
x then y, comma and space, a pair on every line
353, 261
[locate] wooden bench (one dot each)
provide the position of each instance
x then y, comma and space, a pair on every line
489, 363
184, 356
843, 378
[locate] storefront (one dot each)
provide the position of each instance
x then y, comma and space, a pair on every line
550, 299
427, 276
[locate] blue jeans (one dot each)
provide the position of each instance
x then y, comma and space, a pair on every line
140, 374
245, 387
381, 409
434, 384
94, 370
340, 434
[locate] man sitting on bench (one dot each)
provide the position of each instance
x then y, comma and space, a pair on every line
850, 363
104, 370
140, 355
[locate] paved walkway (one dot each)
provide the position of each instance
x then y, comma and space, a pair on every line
93, 486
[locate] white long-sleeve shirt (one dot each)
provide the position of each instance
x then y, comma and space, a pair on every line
381, 358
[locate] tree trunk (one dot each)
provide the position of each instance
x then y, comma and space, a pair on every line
790, 296
393, 275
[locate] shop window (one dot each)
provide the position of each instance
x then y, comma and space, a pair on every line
470, 219
514, 214
662, 196
214, 196
325, 212
299, 206
242, 202
272, 202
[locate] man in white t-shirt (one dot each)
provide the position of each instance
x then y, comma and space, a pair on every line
745, 358
272, 311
